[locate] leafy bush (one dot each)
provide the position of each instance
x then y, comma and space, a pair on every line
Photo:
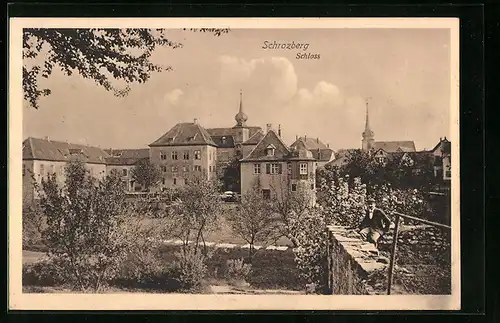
45, 272
189, 269
311, 254
238, 270
33, 225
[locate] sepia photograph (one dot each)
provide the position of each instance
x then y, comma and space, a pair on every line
192, 163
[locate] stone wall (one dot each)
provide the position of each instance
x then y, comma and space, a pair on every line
353, 264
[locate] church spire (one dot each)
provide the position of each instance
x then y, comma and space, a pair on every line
368, 134
241, 117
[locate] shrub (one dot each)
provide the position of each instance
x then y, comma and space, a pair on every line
189, 269
238, 270
42, 273
33, 225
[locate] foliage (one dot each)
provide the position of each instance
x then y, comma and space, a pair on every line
290, 206
33, 225
146, 174
311, 254
252, 220
237, 269
84, 232
197, 210
101, 55
189, 268
45, 272
398, 170
228, 173
343, 205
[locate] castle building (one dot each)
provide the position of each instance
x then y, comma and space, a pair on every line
43, 157
278, 169
184, 151
121, 162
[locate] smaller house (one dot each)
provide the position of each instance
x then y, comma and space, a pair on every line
442, 161
321, 152
278, 169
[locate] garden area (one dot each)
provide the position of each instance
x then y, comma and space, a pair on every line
89, 237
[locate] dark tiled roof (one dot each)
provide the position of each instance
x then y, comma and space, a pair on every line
231, 131
126, 156
271, 138
224, 141
44, 149
393, 146
185, 134
319, 150
253, 140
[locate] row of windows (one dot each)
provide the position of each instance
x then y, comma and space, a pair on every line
175, 181
124, 172
266, 193
175, 169
52, 169
185, 155
275, 168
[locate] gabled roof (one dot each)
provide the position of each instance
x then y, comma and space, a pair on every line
254, 139
310, 143
393, 146
126, 156
319, 150
259, 152
44, 149
444, 145
185, 134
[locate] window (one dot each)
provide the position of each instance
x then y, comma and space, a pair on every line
124, 172
256, 168
448, 173
163, 181
289, 169
197, 168
294, 187
197, 154
210, 156
266, 194
163, 155
185, 168
175, 181
270, 150
42, 171
174, 169
312, 186
274, 168
174, 155
185, 181
164, 169
303, 168
24, 169
186, 155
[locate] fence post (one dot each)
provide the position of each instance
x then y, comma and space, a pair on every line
393, 254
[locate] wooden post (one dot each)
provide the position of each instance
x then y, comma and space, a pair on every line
393, 254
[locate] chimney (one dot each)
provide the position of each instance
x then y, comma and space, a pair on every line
269, 125
47, 138
317, 140
195, 121
279, 130
296, 137
327, 145
305, 137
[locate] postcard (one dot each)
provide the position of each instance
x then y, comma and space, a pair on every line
234, 164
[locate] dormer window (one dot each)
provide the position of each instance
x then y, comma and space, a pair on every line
270, 150
75, 151
224, 140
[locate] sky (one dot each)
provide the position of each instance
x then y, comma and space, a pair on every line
404, 74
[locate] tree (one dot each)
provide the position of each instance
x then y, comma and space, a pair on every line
146, 174
84, 222
229, 174
252, 221
196, 211
98, 54
290, 205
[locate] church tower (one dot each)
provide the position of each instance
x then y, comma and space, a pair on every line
368, 135
242, 133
